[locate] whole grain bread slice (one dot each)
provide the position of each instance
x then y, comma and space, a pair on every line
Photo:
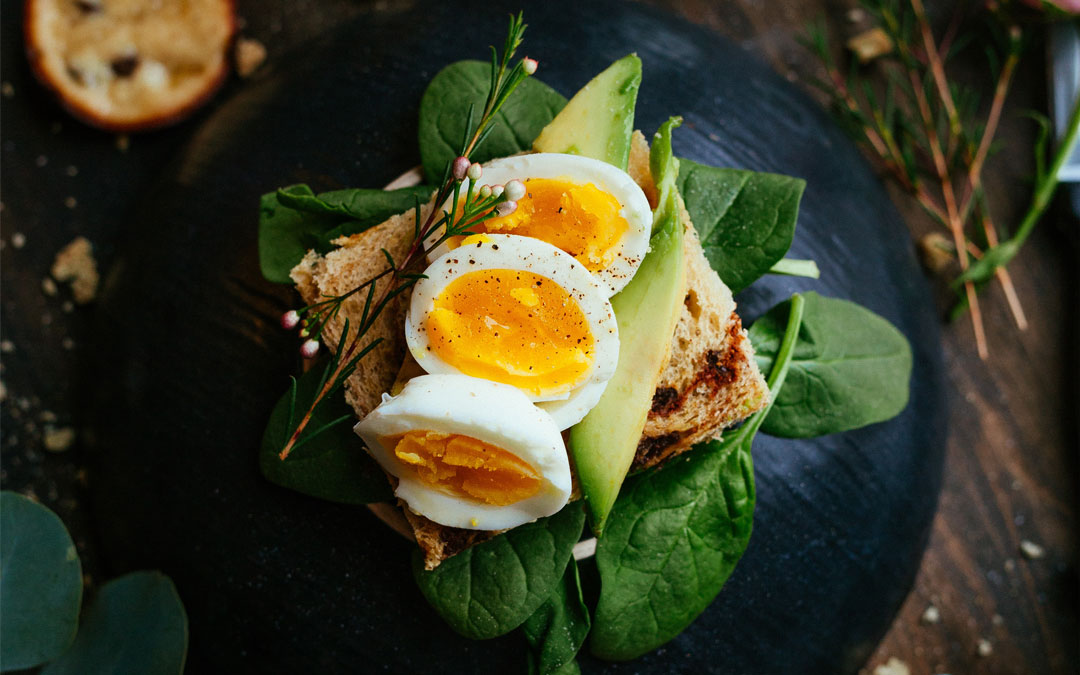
710, 382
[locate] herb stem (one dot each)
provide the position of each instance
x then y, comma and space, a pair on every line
796, 268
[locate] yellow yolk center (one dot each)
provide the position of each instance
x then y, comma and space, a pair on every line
514, 327
582, 220
466, 467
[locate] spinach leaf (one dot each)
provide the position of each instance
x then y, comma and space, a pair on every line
137, 624
675, 535
444, 112
557, 630
491, 588
294, 219
745, 219
851, 368
334, 464
40, 584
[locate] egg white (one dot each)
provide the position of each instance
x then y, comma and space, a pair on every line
508, 251
489, 411
630, 251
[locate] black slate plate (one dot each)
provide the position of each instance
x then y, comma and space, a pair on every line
192, 361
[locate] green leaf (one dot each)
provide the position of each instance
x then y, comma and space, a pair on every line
745, 220
136, 624
333, 465
444, 113
557, 630
982, 270
40, 584
851, 368
491, 588
676, 534
294, 220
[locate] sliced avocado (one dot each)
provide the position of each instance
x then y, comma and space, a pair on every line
604, 443
599, 120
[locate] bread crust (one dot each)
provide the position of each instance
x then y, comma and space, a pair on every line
47, 67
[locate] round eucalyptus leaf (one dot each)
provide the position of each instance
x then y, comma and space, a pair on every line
136, 624
40, 584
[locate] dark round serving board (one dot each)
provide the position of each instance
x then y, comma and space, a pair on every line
192, 361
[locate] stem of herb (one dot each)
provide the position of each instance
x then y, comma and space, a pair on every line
796, 268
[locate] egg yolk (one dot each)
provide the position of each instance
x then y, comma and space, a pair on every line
466, 467
514, 327
582, 220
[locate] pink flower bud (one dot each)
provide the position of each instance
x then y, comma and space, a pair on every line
460, 168
309, 349
475, 171
529, 65
505, 208
515, 190
290, 319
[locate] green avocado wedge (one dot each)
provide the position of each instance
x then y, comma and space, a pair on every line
604, 443
599, 120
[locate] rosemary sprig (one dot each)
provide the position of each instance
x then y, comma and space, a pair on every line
931, 138
460, 204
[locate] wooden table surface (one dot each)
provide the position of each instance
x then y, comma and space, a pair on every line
1010, 473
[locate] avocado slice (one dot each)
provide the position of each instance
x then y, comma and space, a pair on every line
599, 120
603, 444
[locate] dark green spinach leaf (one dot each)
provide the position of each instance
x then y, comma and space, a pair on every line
334, 464
493, 587
557, 630
294, 219
136, 624
676, 534
746, 220
444, 112
851, 368
40, 584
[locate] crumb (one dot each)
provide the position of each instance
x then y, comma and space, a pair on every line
997, 620
856, 15
3, 391
7, 89
984, 648
1031, 550
48, 287
1010, 565
18, 240
249, 55
70, 202
123, 142
46, 319
7, 346
47, 416
72, 170
931, 615
870, 44
75, 263
80, 476
67, 343
58, 440
41, 161
935, 252
893, 666
67, 307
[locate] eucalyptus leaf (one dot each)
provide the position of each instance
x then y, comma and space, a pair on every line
557, 630
492, 588
444, 113
40, 584
851, 368
745, 220
333, 465
294, 219
136, 624
676, 534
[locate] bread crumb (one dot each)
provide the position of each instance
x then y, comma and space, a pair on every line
893, 666
48, 287
58, 440
856, 15
249, 55
3, 391
18, 240
997, 620
72, 170
935, 252
7, 346
123, 142
75, 263
71, 202
984, 648
7, 89
1031, 550
931, 615
47, 416
41, 161
870, 44
67, 343
67, 307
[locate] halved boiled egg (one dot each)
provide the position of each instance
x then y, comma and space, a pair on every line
521, 312
469, 453
583, 206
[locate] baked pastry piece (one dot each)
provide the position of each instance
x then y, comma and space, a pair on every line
130, 65
710, 382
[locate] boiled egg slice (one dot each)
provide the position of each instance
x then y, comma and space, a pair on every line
469, 453
583, 206
521, 312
